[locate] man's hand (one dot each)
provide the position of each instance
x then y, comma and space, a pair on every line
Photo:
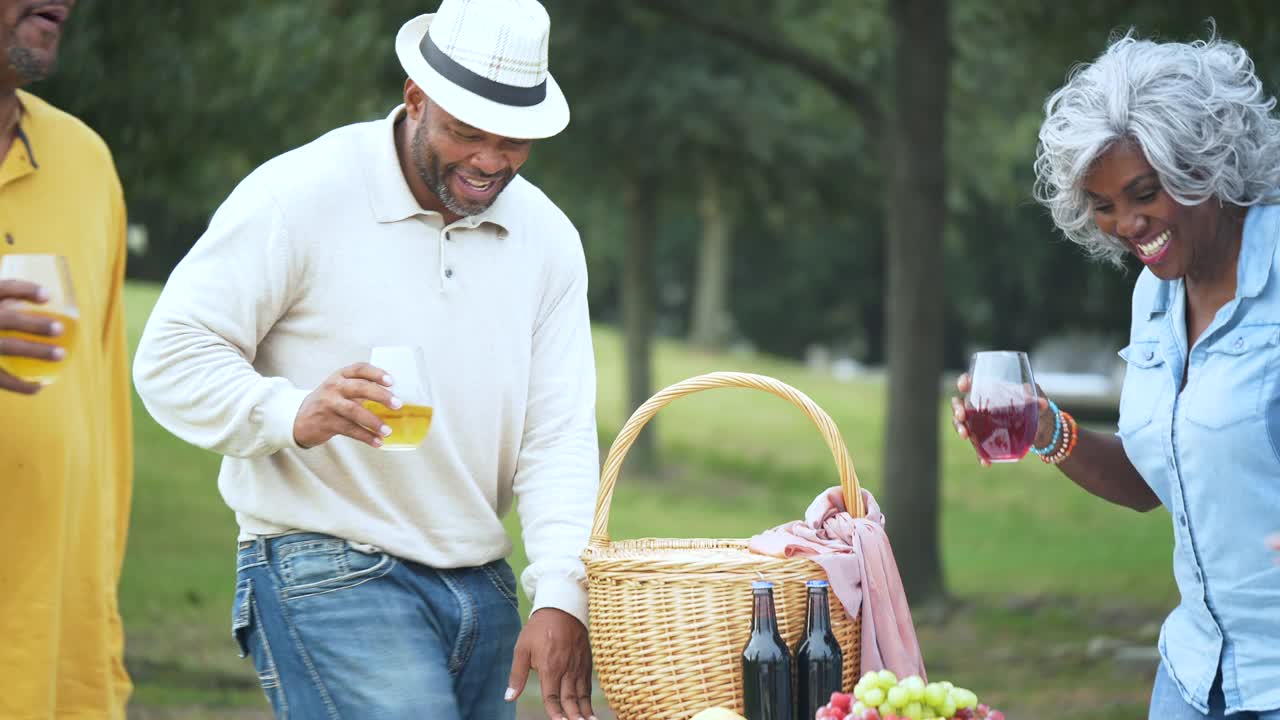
555, 644
12, 318
335, 408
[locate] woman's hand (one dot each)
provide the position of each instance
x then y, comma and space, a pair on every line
960, 417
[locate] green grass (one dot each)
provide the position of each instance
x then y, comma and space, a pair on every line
736, 461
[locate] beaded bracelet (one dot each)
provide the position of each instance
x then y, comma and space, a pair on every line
1057, 431
1068, 445
1071, 435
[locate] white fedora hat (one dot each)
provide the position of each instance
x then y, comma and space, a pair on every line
485, 63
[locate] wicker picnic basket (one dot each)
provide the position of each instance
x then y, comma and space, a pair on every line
670, 617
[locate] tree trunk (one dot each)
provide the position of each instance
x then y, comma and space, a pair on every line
913, 156
638, 303
712, 322
916, 206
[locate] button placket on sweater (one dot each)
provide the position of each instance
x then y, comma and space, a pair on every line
447, 242
446, 272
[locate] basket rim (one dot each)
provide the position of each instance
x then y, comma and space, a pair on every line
676, 557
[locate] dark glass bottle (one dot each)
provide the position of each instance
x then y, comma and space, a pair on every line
766, 662
819, 660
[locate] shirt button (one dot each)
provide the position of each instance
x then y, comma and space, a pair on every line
1150, 354
1239, 342
448, 272
1182, 519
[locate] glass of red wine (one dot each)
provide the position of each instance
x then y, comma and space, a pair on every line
1002, 409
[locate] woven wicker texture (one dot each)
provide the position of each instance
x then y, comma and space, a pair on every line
670, 617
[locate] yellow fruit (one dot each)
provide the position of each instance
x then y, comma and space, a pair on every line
717, 713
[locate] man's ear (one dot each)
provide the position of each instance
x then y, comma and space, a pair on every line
415, 100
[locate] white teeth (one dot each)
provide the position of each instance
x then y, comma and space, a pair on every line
1156, 245
474, 184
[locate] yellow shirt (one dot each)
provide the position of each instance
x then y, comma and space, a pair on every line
66, 460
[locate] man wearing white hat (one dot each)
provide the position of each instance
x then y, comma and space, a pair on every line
373, 584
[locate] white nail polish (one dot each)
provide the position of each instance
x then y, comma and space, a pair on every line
511, 695
386, 431
396, 403
386, 380
56, 328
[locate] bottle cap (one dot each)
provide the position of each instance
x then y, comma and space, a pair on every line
816, 583
761, 585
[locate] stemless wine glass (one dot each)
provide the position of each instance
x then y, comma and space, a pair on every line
52, 273
407, 367
1002, 407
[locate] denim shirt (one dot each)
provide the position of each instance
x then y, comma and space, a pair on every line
1212, 454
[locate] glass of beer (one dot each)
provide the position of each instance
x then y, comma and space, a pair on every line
52, 273
407, 367
1002, 408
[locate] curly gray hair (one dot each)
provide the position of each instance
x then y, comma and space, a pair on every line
1197, 111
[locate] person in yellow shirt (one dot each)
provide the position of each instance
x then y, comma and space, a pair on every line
65, 449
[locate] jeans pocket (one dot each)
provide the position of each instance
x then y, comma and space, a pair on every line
323, 564
242, 615
503, 578
252, 641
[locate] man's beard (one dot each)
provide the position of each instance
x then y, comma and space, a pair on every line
28, 67
427, 163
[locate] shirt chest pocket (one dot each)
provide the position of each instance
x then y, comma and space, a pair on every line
1233, 382
1144, 379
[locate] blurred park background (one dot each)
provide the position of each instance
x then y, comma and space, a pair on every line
832, 192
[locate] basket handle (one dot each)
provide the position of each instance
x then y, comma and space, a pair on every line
643, 414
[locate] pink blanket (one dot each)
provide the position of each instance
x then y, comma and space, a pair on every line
859, 563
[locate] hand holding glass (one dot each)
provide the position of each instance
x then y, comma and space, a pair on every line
51, 273
1002, 409
408, 370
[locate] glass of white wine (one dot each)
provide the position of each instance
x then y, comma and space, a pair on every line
407, 367
53, 274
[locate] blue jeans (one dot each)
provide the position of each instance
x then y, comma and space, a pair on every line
1167, 703
344, 631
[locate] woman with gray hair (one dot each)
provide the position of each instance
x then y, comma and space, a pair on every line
1170, 152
